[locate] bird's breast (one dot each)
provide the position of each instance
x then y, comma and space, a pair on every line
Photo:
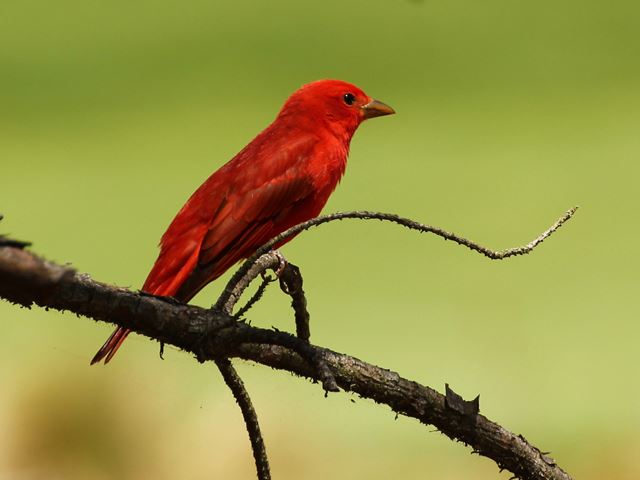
327, 167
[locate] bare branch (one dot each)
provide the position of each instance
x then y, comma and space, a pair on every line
213, 334
291, 284
9, 242
235, 384
405, 222
270, 260
266, 261
266, 281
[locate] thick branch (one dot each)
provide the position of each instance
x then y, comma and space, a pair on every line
27, 279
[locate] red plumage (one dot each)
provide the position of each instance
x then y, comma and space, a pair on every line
282, 178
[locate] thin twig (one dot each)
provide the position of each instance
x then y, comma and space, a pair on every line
235, 384
266, 281
389, 217
291, 284
233, 380
10, 242
269, 260
266, 261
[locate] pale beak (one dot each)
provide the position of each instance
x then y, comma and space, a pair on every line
376, 109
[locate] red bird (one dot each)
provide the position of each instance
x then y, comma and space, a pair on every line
282, 178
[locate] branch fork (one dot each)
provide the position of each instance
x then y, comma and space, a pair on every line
217, 334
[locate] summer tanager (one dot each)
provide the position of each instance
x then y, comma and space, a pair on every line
282, 178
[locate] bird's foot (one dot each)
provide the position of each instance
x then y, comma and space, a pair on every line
282, 264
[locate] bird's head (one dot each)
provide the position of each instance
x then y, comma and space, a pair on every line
337, 105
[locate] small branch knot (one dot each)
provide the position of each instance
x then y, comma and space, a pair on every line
467, 408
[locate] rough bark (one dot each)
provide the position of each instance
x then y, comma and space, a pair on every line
27, 279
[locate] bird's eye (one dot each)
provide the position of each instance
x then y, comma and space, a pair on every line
349, 98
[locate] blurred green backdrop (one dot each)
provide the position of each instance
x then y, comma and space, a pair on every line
111, 113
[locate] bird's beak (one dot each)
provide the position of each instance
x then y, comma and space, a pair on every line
376, 109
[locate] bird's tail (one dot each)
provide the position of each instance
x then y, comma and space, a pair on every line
156, 285
110, 347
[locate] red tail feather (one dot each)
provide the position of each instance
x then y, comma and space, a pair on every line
110, 347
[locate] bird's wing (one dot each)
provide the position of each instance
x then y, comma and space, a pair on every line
229, 216
178, 257
247, 218
245, 223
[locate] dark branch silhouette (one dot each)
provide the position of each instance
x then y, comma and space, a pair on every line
388, 217
291, 283
235, 384
215, 334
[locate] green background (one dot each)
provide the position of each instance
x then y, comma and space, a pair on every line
509, 113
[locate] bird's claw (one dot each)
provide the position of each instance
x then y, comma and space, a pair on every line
282, 264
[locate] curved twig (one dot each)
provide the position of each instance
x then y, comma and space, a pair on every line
235, 384
291, 284
233, 380
269, 260
264, 262
257, 295
390, 217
